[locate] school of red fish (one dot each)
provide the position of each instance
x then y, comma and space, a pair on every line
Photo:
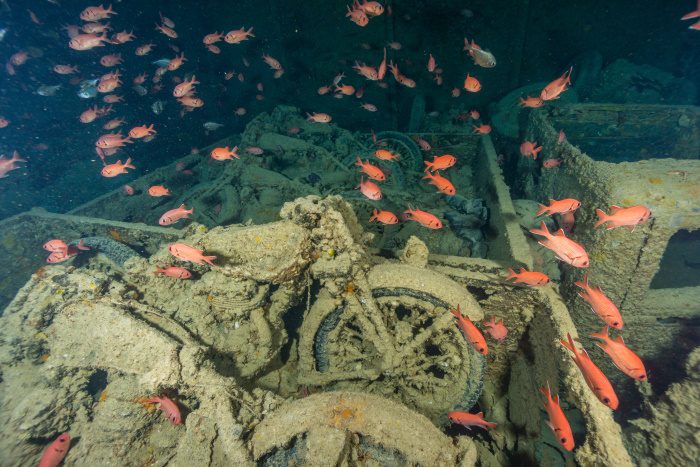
93, 34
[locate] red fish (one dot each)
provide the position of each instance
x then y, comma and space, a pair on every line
174, 271
562, 137
557, 420
385, 217
239, 35
530, 149
566, 249
551, 163
600, 304
594, 377
372, 171
59, 256
431, 63
496, 329
112, 170
482, 129
87, 41
472, 84
188, 253
554, 89
423, 144
382, 67
185, 87
443, 185
531, 102
469, 419
531, 278
158, 191
55, 245
370, 8
567, 221
222, 154
627, 217
370, 189
624, 359
169, 408
96, 13
7, 165
54, 454
357, 16
174, 215
558, 207
424, 218
112, 140
385, 155
471, 332
440, 162
318, 117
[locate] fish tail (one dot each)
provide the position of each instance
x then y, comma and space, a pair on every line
374, 215
584, 284
542, 230
129, 164
570, 344
602, 218
546, 391
511, 274
602, 335
542, 210
209, 259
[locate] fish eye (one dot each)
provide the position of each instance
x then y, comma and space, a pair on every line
642, 377
563, 440
606, 400
615, 323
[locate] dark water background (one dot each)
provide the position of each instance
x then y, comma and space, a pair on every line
533, 41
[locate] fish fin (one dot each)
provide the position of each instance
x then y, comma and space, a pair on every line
570, 344
560, 233
691, 15
511, 274
602, 335
602, 218
614, 208
619, 339
543, 230
209, 259
542, 210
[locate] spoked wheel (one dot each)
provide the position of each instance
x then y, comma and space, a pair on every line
394, 336
345, 428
